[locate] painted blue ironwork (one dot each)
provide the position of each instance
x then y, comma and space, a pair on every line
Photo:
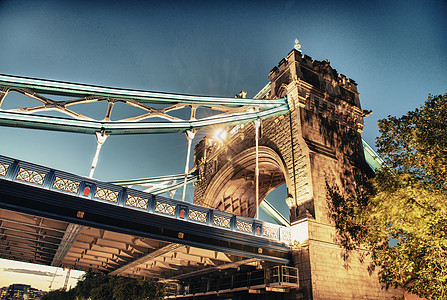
15, 119
153, 181
150, 180
52, 87
232, 111
82, 124
372, 157
111, 194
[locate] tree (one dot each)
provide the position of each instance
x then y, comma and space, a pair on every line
59, 295
400, 215
94, 286
104, 287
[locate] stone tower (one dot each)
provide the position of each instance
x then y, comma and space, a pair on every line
316, 143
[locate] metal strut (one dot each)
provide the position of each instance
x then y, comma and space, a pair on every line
257, 124
67, 277
230, 111
190, 136
100, 139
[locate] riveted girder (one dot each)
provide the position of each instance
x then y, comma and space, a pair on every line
227, 111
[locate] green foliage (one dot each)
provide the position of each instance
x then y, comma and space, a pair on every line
405, 210
59, 295
400, 215
104, 287
416, 143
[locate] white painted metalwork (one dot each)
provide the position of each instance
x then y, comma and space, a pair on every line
232, 111
372, 157
100, 139
149, 181
15, 119
273, 213
160, 184
257, 125
190, 136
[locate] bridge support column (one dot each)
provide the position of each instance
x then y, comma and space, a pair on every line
317, 143
326, 120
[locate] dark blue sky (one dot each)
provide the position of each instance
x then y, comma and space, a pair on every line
394, 50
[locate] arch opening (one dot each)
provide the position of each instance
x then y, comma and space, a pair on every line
233, 187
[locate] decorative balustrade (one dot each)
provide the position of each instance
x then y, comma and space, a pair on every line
87, 188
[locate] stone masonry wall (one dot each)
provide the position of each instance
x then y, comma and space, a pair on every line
333, 277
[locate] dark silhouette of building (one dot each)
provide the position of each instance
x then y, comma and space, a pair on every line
22, 291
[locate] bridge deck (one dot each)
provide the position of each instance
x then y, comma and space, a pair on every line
56, 218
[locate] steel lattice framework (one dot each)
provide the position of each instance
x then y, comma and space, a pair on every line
230, 111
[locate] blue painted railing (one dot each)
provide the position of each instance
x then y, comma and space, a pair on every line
95, 190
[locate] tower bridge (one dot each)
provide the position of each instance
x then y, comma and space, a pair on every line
302, 130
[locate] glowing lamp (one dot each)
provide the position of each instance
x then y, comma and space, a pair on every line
221, 135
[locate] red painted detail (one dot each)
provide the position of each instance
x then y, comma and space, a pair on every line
86, 191
182, 214
258, 230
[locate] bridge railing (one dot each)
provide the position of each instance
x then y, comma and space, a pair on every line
95, 190
278, 277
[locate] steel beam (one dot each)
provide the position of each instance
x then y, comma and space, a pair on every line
372, 157
71, 233
149, 180
52, 87
146, 258
268, 208
15, 119
216, 268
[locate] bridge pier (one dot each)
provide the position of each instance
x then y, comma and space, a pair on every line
317, 143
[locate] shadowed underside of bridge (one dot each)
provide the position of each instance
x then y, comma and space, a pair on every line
37, 239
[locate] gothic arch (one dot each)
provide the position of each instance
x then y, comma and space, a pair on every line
232, 188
